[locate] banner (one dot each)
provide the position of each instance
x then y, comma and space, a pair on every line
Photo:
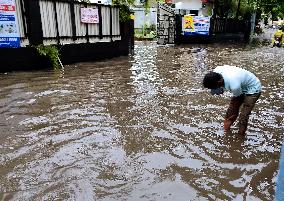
188, 23
195, 25
9, 32
89, 15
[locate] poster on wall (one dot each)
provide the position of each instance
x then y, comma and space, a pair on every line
89, 15
195, 25
9, 32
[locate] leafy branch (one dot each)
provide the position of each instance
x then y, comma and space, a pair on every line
125, 5
52, 53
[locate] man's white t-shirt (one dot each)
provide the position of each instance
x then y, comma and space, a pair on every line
239, 81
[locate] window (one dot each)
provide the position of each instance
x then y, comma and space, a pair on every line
193, 12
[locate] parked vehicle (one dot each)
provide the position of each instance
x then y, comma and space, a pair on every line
277, 42
278, 38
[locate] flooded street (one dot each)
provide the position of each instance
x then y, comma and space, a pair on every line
140, 128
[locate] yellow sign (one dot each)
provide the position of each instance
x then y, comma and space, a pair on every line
188, 23
132, 16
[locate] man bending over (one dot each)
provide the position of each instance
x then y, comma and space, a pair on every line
245, 87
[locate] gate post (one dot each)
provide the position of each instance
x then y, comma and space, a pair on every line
72, 12
127, 36
166, 25
132, 33
34, 25
178, 29
250, 28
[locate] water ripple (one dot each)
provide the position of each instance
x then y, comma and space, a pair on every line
140, 128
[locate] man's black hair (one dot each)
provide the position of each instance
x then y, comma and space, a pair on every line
211, 79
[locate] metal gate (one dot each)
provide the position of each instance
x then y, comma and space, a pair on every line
166, 25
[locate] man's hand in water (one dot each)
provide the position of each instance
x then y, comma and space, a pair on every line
227, 124
229, 121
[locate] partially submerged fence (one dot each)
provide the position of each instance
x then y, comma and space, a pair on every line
177, 28
59, 22
220, 25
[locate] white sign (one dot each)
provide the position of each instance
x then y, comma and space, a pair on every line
89, 15
9, 33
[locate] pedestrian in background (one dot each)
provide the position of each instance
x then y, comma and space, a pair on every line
245, 87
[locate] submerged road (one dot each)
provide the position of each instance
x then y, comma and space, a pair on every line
140, 128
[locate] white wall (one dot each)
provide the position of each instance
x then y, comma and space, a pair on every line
141, 18
106, 2
188, 4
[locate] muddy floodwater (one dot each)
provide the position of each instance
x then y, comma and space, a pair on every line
140, 128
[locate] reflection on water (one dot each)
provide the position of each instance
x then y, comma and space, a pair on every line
139, 128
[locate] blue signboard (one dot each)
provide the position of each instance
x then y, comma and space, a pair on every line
9, 31
195, 25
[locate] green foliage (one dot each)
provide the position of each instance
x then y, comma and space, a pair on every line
256, 42
51, 52
125, 12
146, 6
258, 30
146, 32
123, 2
273, 7
145, 28
229, 8
209, 8
153, 27
232, 8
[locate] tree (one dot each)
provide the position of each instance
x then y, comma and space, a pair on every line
242, 9
125, 6
127, 3
124, 12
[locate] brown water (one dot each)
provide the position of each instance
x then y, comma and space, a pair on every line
139, 128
